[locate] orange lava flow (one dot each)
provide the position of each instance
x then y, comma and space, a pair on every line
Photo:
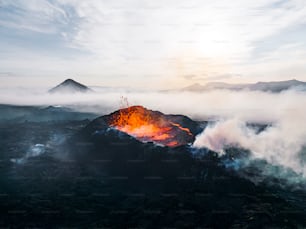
182, 128
143, 125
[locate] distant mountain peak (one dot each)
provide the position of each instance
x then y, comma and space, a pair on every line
70, 81
277, 86
194, 87
70, 86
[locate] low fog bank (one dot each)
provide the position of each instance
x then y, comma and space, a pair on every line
280, 144
252, 106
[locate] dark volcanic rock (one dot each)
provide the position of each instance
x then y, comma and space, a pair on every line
112, 180
20, 114
150, 186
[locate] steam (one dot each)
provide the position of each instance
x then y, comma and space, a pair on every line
281, 144
34, 151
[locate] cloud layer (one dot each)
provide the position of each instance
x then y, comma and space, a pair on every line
140, 42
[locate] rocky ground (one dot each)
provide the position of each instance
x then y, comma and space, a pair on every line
110, 180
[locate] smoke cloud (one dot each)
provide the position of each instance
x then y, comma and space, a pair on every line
281, 144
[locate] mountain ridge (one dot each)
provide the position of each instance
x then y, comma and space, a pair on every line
270, 86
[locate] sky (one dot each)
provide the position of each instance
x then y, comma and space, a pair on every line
151, 44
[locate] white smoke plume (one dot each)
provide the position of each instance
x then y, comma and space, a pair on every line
279, 144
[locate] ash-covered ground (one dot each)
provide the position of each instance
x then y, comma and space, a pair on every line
61, 169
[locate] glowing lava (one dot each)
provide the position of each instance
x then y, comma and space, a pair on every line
150, 126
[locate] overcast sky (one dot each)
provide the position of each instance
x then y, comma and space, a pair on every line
151, 44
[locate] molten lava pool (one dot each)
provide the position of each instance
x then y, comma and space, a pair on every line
150, 126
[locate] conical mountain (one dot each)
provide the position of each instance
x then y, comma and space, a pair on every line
70, 86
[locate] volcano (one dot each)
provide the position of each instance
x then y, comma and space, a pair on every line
148, 126
70, 86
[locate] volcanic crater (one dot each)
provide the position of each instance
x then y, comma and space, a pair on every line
148, 126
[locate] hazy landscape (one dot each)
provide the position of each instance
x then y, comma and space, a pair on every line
152, 114
81, 169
